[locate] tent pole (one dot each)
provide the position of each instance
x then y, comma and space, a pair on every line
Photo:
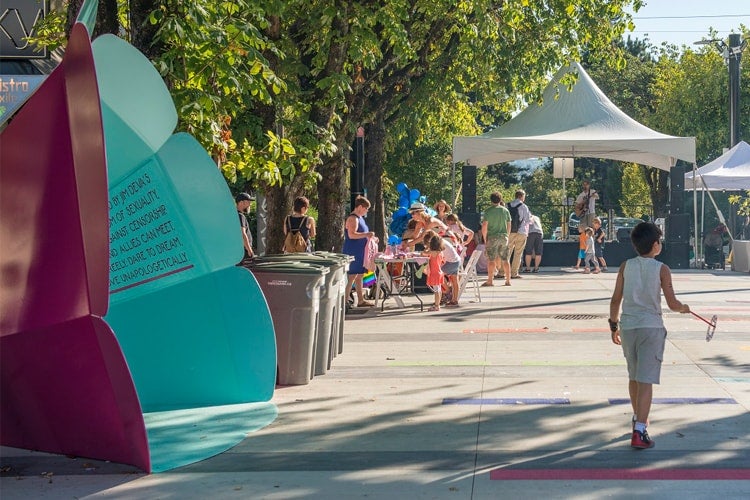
703, 210
695, 219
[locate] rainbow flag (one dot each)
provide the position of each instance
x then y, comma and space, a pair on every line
368, 279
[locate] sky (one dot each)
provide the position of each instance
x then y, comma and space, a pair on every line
681, 22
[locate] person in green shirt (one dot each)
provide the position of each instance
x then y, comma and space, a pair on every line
495, 231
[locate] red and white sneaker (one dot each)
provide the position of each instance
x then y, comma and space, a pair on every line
632, 422
641, 440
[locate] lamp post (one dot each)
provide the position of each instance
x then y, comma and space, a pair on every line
732, 53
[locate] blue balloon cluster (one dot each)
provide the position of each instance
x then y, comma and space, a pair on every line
401, 216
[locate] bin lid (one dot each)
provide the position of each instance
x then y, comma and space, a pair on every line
289, 268
301, 257
342, 256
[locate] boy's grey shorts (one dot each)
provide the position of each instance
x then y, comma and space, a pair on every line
644, 350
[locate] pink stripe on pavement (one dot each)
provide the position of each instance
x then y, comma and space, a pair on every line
619, 474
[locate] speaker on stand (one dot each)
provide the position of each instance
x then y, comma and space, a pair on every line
676, 248
677, 189
675, 255
469, 215
678, 228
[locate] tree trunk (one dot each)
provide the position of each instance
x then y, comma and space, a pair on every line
142, 32
106, 17
277, 207
333, 201
374, 157
333, 189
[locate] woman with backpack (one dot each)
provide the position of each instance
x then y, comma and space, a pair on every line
299, 228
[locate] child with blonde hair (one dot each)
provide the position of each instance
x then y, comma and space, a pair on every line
590, 255
463, 233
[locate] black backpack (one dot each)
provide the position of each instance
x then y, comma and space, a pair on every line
515, 218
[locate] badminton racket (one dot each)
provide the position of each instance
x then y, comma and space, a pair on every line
711, 325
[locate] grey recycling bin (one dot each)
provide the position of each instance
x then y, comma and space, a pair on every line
328, 317
338, 340
292, 290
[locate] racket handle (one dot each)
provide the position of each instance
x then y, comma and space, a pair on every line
701, 318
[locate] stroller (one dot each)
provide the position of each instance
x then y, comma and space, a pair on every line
713, 247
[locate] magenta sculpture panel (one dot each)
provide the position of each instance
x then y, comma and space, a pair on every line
66, 387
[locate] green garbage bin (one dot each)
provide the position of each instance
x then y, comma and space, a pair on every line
338, 338
292, 290
329, 302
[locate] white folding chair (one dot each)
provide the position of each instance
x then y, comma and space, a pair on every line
461, 265
469, 274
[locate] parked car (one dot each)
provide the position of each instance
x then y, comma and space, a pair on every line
622, 227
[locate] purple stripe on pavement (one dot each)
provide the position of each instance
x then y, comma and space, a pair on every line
619, 474
506, 401
680, 401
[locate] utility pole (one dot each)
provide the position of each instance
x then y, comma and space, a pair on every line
734, 56
731, 51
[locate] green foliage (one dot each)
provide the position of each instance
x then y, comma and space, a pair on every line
214, 62
635, 192
49, 32
679, 112
478, 63
275, 89
742, 202
268, 167
544, 196
427, 168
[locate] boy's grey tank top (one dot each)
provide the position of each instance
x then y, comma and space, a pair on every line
641, 301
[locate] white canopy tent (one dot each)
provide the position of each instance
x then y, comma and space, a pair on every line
728, 172
581, 122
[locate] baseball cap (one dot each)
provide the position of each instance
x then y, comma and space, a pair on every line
243, 197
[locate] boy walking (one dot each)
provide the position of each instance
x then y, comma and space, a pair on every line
640, 330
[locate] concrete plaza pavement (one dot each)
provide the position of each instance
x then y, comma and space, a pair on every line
511, 397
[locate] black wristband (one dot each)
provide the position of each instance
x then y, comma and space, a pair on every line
613, 325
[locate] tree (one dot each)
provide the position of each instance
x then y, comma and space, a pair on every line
691, 99
344, 63
384, 53
636, 198
107, 19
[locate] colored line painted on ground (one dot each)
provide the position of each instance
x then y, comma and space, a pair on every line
620, 474
590, 330
507, 330
566, 282
726, 309
680, 401
506, 401
573, 363
439, 363
739, 380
